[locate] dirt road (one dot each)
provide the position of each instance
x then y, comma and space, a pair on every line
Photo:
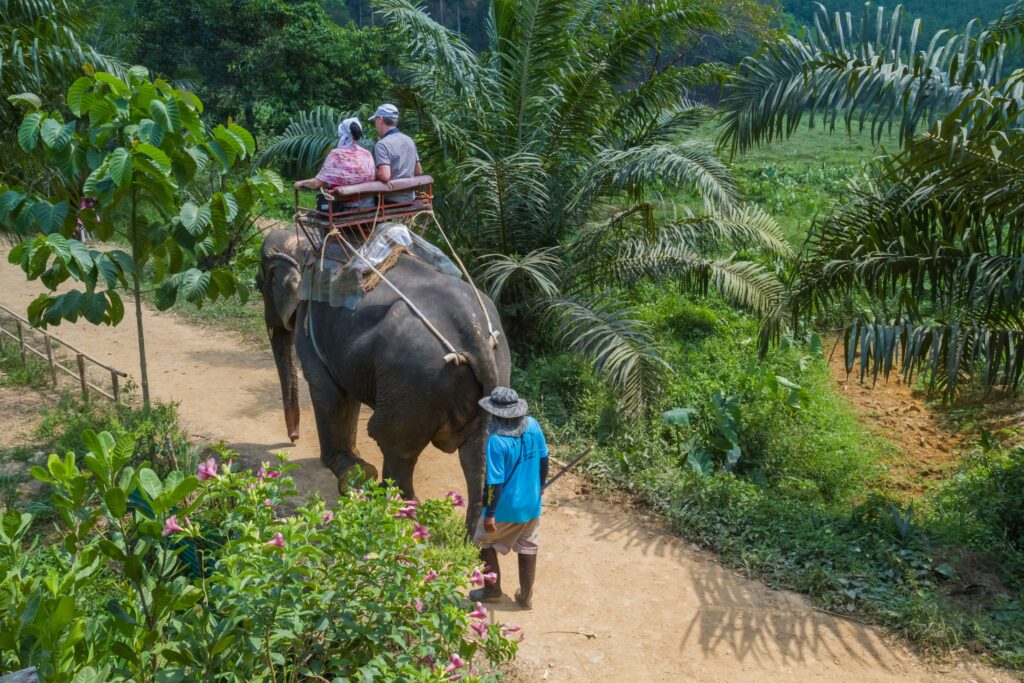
616, 599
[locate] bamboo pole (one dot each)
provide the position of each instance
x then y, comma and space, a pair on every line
49, 358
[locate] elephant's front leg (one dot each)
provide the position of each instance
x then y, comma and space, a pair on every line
337, 418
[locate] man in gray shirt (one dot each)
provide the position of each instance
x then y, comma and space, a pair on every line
395, 153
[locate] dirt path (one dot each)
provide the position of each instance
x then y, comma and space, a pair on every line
617, 599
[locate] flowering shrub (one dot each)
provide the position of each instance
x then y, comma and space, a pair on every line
213, 577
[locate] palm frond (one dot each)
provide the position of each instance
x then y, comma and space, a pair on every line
305, 142
858, 71
538, 272
687, 165
744, 227
1009, 27
620, 346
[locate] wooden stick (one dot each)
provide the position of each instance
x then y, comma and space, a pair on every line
114, 382
81, 374
21, 341
49, 358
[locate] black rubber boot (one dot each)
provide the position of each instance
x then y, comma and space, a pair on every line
490, 592
527, 573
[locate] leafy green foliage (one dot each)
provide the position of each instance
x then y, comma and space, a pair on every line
931, 246
211, 578
133, 165
261, 61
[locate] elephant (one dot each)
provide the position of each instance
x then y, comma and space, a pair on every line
381, 354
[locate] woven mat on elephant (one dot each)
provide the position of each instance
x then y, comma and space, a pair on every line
339, 281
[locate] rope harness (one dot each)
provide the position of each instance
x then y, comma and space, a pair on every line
453, 356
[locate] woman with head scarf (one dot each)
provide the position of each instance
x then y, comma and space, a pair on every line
347, 164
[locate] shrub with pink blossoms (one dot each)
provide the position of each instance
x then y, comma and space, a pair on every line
205, 577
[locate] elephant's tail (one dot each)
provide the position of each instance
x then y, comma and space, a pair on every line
485, 368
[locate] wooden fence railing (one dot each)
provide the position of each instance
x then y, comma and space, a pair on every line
22, 329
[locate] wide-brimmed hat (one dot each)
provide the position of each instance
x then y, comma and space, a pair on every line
504, 402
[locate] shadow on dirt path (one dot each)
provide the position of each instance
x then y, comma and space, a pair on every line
617, 599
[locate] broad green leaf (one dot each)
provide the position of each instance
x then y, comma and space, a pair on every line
26, 98
93, 307
50, 217
138, 74
195, 218
78, 95
101, 110
116, 502
158, 110
28, 131
115, 307
224, 155
245, 136
117, 86
150, 483
151, 132
230, 206
120, 166
157, 155
55, 135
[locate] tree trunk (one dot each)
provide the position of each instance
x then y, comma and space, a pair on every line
137, 285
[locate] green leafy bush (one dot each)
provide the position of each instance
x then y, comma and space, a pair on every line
212, 577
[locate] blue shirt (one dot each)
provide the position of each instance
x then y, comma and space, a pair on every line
520, 498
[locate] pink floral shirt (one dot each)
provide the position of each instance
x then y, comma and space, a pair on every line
347, 166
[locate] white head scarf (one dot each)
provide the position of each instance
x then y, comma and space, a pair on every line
345, 131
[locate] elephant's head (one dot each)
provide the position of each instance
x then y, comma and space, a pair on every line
278, 281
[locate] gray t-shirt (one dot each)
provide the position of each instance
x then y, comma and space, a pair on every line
397, 150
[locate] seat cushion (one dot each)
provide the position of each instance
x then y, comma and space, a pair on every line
377, 187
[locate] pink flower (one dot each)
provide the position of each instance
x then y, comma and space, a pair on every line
260, 474
229, 464
171, 525
207, 470
188, 522
430, 576
510, 629
407, 512
420, 531
457, 499
476, 578
428, 661
480, 612
412, 503
417, 605
269, 503
273, 474
277, 541
454, 662
328, 516
491, 577
480, 627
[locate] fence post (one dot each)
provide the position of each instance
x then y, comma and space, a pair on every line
49, 358
81, 374
114, 384
21, 342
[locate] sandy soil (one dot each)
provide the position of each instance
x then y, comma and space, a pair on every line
617, 598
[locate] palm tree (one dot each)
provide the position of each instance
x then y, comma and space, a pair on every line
932, 246
549, 148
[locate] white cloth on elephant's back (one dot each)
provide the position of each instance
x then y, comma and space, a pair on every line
341, 284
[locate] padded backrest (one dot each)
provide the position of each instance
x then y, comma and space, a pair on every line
377, 187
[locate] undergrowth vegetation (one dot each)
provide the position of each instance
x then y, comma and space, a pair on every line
803, 502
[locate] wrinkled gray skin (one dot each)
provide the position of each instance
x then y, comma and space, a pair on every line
382, 355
